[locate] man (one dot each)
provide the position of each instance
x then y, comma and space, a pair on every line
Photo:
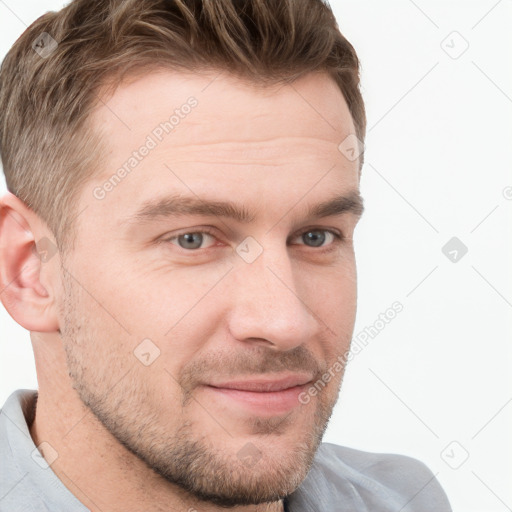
183, 190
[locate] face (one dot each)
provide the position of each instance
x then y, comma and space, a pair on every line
195, 335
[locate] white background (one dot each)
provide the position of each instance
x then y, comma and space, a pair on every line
435, 382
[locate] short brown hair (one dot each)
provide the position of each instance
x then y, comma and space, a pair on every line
47, 148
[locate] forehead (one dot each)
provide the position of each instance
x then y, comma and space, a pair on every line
212, 132
226, 110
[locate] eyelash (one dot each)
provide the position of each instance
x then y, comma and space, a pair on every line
339, 238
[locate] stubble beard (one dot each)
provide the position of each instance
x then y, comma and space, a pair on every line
188, 458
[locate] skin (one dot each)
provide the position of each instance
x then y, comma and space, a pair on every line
133, 437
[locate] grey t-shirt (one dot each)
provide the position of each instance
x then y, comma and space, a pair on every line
340, 480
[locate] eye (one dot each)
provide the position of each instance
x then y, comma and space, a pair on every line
193, 240
317, 237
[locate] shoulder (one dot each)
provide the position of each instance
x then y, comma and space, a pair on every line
358, 480
26, 483
400, 471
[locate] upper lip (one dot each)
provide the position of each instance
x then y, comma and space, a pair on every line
262, 384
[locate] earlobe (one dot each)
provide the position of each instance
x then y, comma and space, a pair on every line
23, 263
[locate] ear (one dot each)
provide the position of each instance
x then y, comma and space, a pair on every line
24, 266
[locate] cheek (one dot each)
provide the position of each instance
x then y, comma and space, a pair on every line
336, 294
157, 302
336, 303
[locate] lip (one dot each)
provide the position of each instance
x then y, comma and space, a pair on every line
263, 397
263, 385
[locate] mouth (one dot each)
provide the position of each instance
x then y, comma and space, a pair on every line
262, 396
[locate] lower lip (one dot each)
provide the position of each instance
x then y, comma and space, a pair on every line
266, 403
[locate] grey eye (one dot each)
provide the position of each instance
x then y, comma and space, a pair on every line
316, 237
190, 240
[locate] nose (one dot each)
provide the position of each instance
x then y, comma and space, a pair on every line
269, 306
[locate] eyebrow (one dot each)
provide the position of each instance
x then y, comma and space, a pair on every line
179, 205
